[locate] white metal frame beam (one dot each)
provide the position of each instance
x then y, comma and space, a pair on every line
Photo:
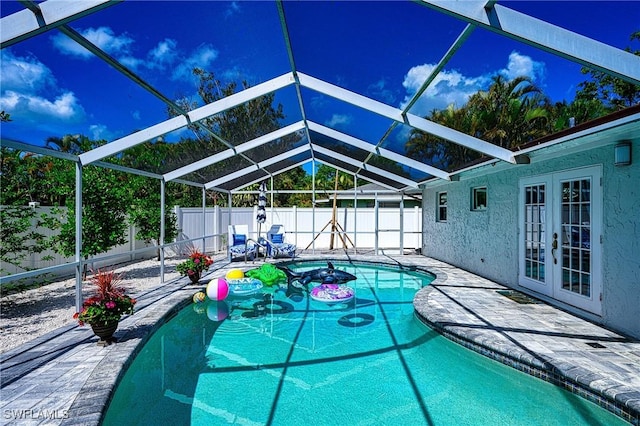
241, 97
410, 119
358, 143
293, 166
543, 35
368, 179
45, 16
284, 131
175, 123
260, 165
368, 167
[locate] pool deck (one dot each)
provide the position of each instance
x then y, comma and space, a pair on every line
64, 378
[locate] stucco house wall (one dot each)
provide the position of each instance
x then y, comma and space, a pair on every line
486, 242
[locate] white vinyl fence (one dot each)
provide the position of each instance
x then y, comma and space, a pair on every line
307, 228
49, 258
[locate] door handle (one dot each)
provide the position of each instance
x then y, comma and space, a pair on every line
554, 247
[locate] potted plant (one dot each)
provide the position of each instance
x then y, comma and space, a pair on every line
194, 265
103, 310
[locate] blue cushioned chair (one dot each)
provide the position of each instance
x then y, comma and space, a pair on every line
239, 243
276, 244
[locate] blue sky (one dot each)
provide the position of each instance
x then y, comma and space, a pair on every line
383, 50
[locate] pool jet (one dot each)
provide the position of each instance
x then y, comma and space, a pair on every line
328, 275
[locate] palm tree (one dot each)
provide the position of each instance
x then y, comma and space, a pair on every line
71, 144
508, 114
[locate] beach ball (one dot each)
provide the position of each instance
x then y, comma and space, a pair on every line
235, 274
199, 297
218, 311
217, 289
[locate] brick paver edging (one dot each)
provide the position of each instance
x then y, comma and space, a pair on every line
624, 404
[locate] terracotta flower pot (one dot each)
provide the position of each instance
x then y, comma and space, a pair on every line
105, 332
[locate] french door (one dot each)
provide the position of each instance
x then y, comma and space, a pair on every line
560, 228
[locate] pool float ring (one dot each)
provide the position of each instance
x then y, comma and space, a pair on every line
244, 286
268, 274
332, 293
234, 274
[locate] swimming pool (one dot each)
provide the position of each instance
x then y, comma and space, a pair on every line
294, 360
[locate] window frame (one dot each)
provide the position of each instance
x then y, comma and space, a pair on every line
441, 208
475, 204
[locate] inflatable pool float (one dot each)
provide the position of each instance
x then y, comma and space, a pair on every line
268, 274
244, 286
332, 293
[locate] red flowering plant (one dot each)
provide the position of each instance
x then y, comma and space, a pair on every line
195, 264
109, 302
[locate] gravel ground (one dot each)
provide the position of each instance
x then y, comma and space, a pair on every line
27, 314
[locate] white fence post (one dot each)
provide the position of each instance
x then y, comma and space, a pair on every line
217, 218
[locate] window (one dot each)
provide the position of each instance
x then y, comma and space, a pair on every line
479, 198
442, 206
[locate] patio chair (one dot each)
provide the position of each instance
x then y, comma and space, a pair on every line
239, 243
276, 244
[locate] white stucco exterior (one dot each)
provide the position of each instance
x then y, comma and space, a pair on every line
486, 242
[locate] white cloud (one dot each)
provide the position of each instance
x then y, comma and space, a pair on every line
164, 52
24, 73
163, 55
232, 74
449, 87
452, 87
521, 65
318, 102
131, 62
35, 108
103, 37
202, 57
339, 120
233, 8
379, 91
28, 90
100, 132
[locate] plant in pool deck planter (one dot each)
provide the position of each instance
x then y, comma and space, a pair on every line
103, 310
194, 265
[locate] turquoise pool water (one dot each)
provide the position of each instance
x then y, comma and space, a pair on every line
297, 361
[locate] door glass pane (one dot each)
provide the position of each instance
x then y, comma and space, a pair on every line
586, 261
585, 287
586, 191
566, 192
576, 238
534, 239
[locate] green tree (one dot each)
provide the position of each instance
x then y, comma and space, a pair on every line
293, 179
76, 144
613, 92
144, 211
508, 114
19, 224
236, 125
104, 214
581, 110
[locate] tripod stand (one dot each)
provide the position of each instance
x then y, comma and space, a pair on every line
336, 228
